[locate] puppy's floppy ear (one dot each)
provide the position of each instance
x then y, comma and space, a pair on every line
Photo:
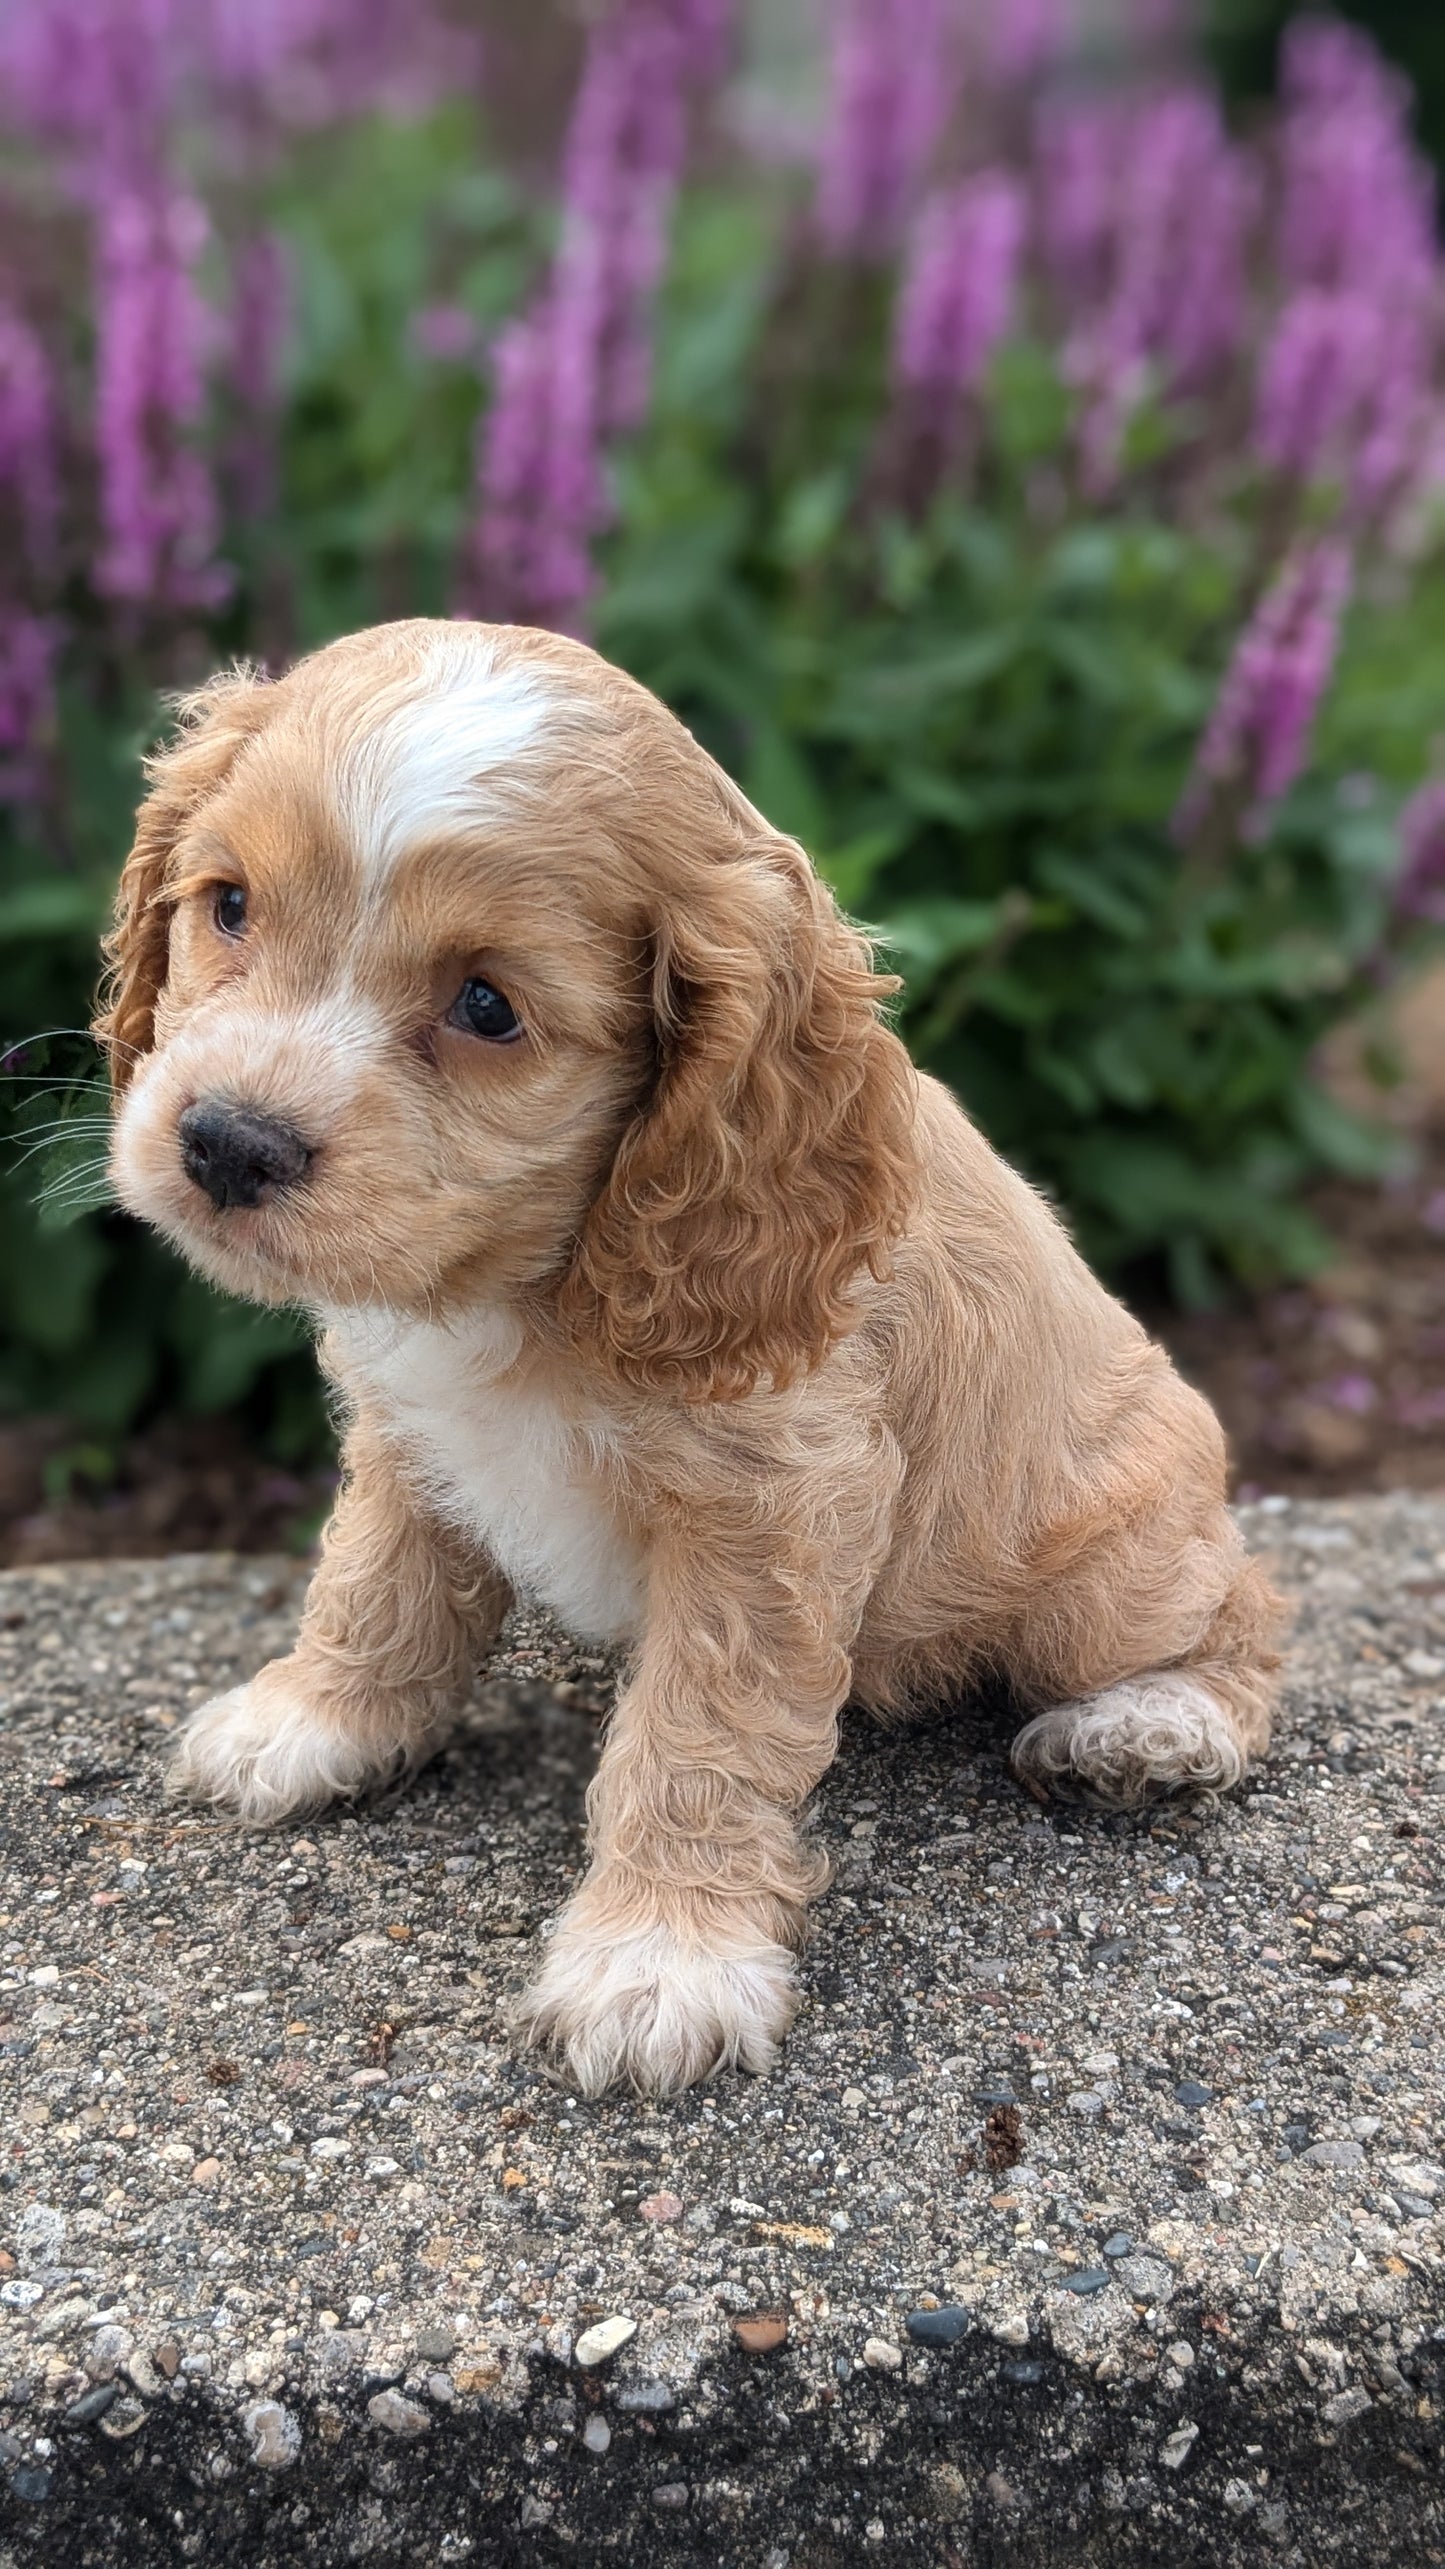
776, 1159
212, 725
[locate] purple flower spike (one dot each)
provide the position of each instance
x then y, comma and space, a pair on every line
890, 92
1358, 204
1258, 734
1024, 38
575, 369
960, 283
1420, 884
1145, 216
1316, 378
1078, 154
158, 507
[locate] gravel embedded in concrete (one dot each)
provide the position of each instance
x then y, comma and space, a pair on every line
298, 2257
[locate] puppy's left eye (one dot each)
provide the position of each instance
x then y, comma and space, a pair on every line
482, 1009
229, 909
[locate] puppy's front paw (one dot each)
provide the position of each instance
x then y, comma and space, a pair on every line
654, 2012
263, 1753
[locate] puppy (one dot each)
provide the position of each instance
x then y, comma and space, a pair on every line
458, 997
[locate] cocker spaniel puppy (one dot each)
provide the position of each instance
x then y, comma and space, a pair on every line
460, 998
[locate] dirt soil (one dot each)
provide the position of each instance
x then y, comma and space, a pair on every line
1340, 1384
184, 1485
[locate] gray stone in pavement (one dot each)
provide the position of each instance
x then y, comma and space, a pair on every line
295, 2250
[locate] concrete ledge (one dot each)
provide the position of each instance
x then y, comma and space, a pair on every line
1096, 2213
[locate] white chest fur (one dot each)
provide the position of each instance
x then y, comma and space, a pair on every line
499, 1460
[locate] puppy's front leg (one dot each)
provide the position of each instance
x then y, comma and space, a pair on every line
396, 1618
676, 1956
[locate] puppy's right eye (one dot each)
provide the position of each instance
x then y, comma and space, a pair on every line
229, 909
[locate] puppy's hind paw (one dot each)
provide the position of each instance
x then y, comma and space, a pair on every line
1145, 1736
655, 2013
263, 1754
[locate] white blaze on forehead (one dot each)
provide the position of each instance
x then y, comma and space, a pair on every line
434, 759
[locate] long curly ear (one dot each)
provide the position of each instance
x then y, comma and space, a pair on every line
776, 1159
212, 725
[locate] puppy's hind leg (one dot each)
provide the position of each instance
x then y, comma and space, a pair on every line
1192, 1725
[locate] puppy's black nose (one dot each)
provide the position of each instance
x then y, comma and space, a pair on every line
236, 1156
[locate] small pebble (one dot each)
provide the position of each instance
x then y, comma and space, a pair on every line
1346, 2406
1119, 2244
938, 2327
645, 2399
397, 2415
595, 2345
275, 2434
1092, 2279
1175, 2450
661, 2208
1023, 2368
1334, 2154
597, 2434
1011, 2330
671, 2497
1190, 2092
761, 2335
90, 2408
880, 2356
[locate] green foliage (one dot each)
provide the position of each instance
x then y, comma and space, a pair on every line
980, 725
979, 722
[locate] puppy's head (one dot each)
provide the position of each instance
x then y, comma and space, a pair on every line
448, 969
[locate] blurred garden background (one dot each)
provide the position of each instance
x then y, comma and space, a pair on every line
1011, 433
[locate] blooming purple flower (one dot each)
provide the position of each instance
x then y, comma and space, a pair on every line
1078, 152
1145, 215
1258, 734
1358, 204
1317, 373
1420, 883
959, 283
1182, 206
890, 93
575, 369
158, 510
1346, 382
1023, 38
